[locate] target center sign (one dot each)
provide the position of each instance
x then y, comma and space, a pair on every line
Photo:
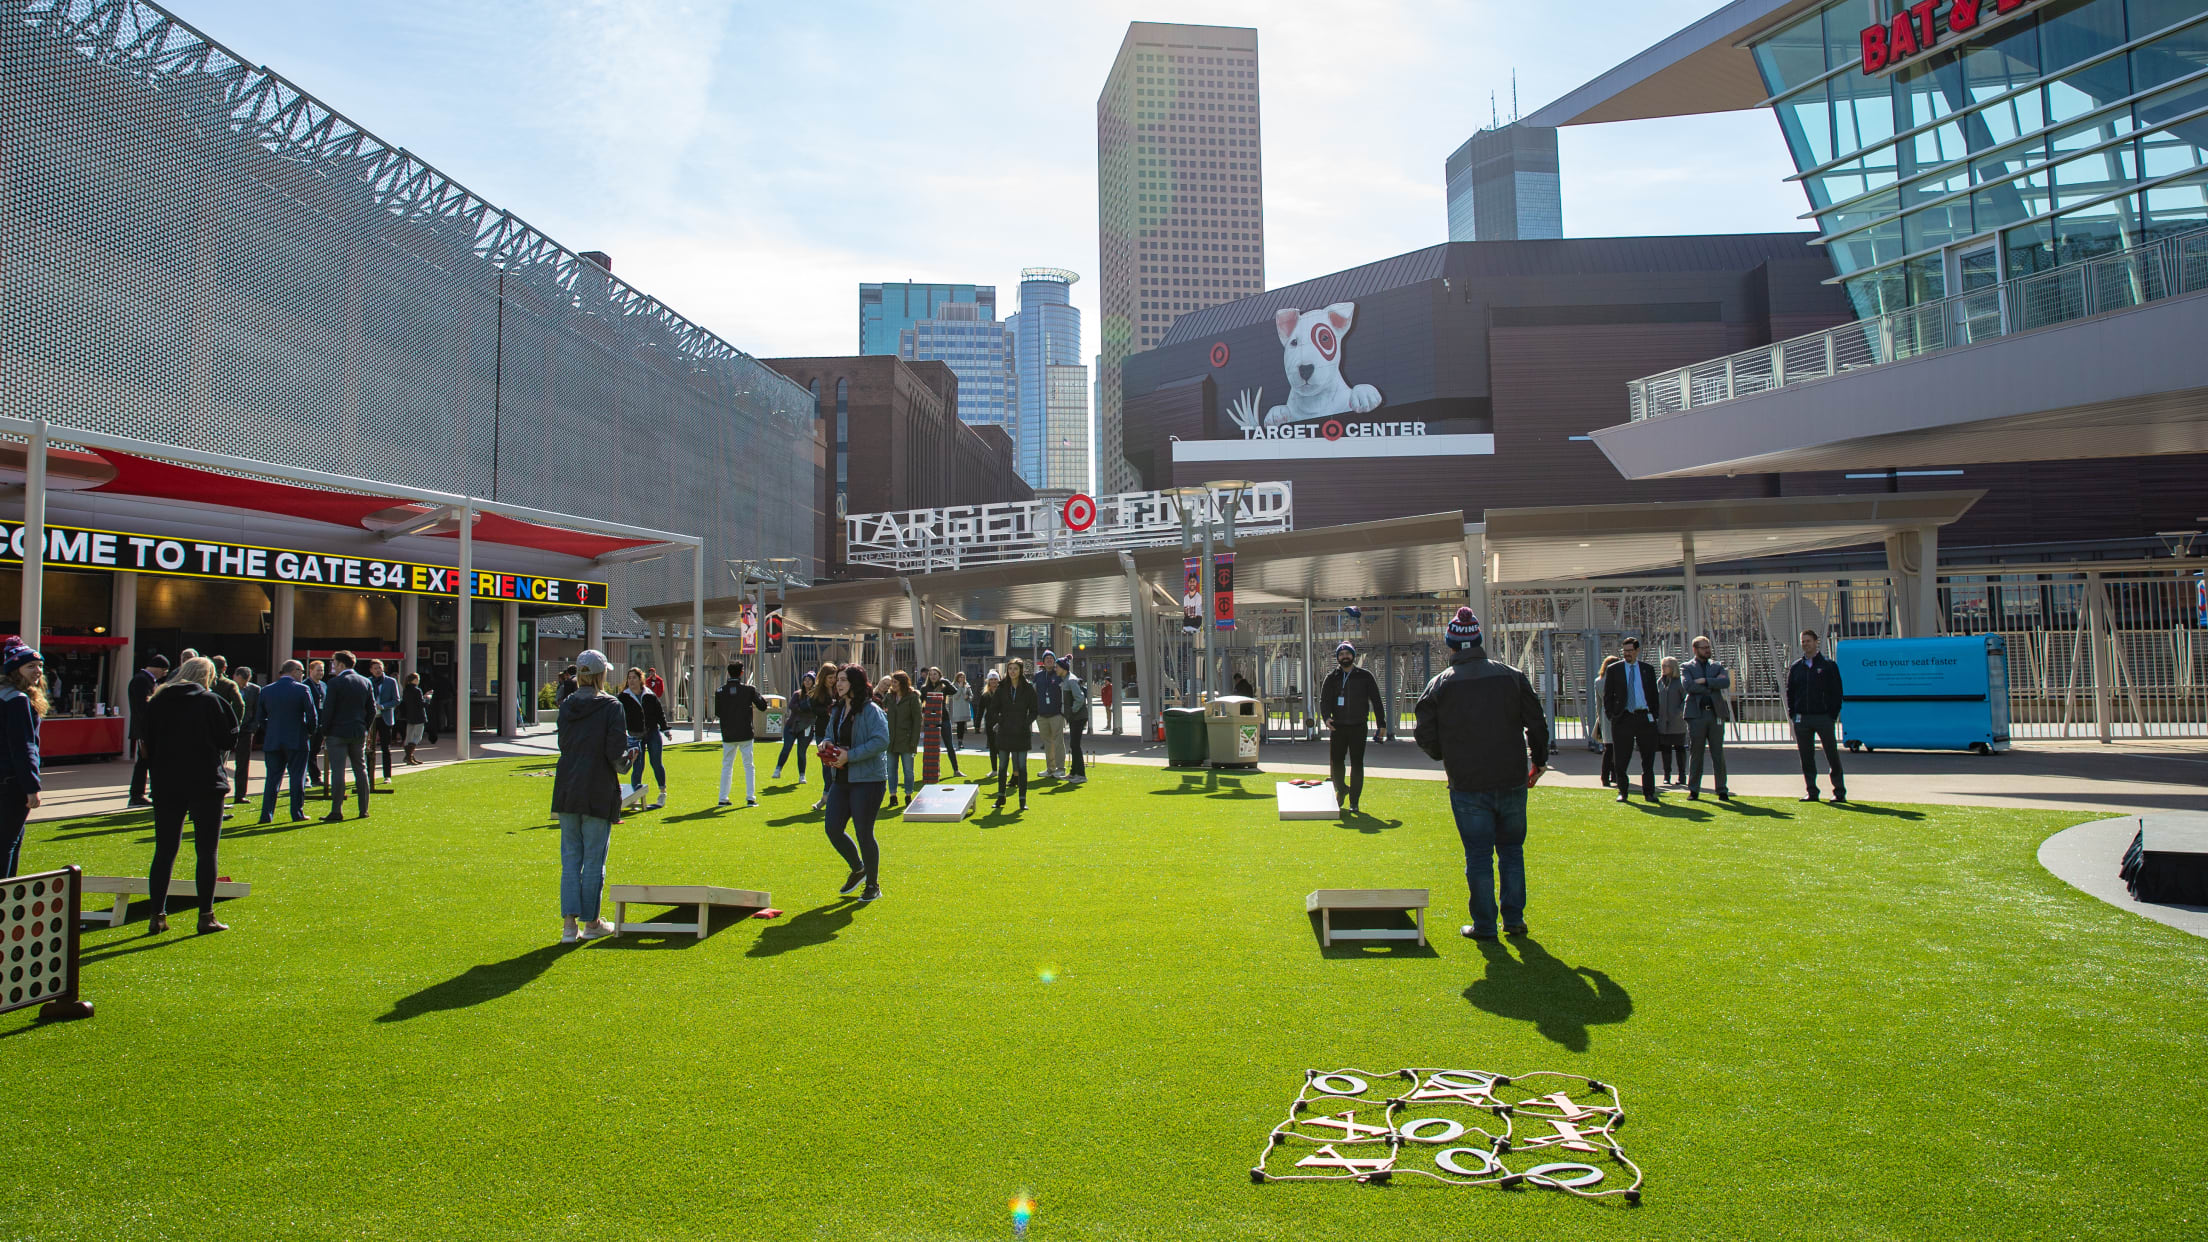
1080, 511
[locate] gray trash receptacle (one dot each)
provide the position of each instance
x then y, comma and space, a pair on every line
1234, 728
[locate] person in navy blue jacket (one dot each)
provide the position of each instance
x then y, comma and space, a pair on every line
22, 704
289, 721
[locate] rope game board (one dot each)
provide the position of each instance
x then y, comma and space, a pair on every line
1458, 1127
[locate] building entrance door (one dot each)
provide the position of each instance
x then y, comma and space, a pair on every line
1974, 280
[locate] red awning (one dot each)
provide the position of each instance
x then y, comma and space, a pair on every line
165, 480
80, 642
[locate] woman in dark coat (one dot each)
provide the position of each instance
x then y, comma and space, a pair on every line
985, 722
586, 793
190, 732
413, 714
1015, 727
22, 705
797, 727
647, 725
824, 705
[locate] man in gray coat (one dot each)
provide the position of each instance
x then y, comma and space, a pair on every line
1707, 711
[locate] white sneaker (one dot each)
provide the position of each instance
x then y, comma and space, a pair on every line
568, 935
777, 775
597, 929
751, 802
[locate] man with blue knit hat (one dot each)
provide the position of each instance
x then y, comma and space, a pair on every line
1348, 697
1481, 719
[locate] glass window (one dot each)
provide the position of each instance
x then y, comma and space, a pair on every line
2095, 230
1792, 56
1926, 277
2090, 176
1806, 120
2171, 56
2089, 133
2182, 145
1862, 112
2009, 202
1935, 226
1867, 248
1878, 293
1926, 91
1937, 146
1844, 23
2176, 207
2073, 31
1993, 68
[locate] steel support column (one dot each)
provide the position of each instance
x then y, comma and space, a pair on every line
1146, 642
509, 669
697, 642
1693, 585
2104, 664
32, 618
463, 696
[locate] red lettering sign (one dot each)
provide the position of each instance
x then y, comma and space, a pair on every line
1916, 30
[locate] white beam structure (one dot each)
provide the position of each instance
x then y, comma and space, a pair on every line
927, 540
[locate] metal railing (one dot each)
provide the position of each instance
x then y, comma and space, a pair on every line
2160, 269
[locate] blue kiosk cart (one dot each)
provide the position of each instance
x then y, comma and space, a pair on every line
1925, 693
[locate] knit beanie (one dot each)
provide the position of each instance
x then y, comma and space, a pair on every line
1464, 631
15, 653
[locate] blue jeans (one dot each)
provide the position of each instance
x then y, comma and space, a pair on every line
904, 759
856, 803
275, 763
1493, 822
647, 747
797, 740
582, 863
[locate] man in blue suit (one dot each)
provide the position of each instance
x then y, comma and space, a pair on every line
287, 716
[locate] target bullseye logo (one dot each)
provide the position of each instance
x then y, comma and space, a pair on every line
1331, 429
1323, 337
1219, 353
1080, 512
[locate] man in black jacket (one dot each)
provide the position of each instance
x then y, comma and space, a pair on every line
1349, 695
1813, 700
1629, 700
142, 685
733, 704
1483, 722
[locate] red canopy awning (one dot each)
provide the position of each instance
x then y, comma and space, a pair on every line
165, 480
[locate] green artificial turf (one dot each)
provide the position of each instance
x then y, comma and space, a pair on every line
1870, 1022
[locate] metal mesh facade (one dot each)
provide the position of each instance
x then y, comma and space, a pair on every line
194, 251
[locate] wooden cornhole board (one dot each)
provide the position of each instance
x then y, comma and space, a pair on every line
942, 804
703, 896
1315, 802
126, 887
632, 797
1328, 900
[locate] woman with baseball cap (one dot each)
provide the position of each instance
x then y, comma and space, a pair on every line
586, 793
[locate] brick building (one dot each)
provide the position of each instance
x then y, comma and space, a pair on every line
895, 442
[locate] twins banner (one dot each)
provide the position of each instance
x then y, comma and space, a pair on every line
1222, 592
747, 629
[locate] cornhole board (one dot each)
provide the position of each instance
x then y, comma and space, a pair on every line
126, 887
942, 804
632, 797
1328, 900
703, 896
1313, 802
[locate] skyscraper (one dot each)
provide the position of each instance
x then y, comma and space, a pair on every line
978, 350
1047, 333
888, 309
1065, 428
1503, 186
1180, 195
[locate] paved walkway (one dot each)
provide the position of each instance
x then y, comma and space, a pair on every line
2087, 858
2134, 777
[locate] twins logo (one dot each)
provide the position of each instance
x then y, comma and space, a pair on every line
1311, 350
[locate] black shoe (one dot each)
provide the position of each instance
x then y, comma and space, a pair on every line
1623, 798
334, 817
1811, 796
1839, 795
1652, 799
1515, 929
266, 819
139, 802
1724, 795
1023, 804
1694, 795
873, 892
852, 885
1471, 933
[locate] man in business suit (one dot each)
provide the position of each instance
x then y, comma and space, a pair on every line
142, 685
349, 710
286, 715
1629, 700
1707, 711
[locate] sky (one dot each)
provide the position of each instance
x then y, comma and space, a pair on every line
751, 164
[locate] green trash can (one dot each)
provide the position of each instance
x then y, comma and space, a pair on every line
1184, 737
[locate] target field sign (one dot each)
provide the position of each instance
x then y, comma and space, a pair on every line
1080, 512
38, 942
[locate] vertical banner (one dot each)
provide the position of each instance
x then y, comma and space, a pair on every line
1192, 594
747, 628
774, 631
1222, 590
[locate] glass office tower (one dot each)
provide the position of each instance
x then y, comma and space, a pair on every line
978, 350
1503, 185
1945, 147
1065, 428
888, 309
1047, 332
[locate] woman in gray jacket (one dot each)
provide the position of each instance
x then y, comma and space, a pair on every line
1671, 720
586, 793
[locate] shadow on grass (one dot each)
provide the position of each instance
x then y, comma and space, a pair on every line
1343, 949
105, 825
714, 916
1672, 810
802, 817
479, 983
1561, 1001
1360, 821
1890, 812
818, 925
1211, 785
